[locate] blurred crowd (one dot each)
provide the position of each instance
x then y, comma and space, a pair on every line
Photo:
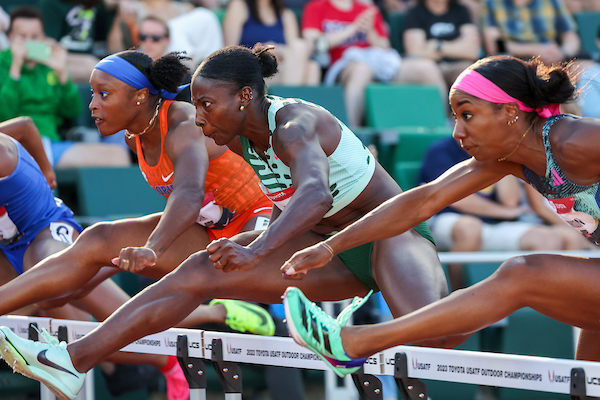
318, 42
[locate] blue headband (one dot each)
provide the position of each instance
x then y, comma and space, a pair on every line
126, 72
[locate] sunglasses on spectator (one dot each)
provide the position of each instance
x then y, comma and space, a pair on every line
155, 38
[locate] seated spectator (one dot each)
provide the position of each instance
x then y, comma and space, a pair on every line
129, 13
154, 40
4, 22
576, 6
442, 31
497, 218
526, 29
248, 22
356, 40
37, 84
589, 84
73, 24
196, 31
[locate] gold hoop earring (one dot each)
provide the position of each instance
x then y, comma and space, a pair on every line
513, 121
241, 108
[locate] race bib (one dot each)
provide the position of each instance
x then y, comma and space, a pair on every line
212, 215
9, 233
584, 223
280, 198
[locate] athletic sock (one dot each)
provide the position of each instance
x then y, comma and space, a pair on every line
177, 386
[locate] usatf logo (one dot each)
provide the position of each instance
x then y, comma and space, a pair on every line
233, 350
76, 335
553, 378
170, 343
417, 365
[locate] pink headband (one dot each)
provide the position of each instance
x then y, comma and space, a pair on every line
475, 84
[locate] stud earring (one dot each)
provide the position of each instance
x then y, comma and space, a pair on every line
513, 121
241, 108
138, 103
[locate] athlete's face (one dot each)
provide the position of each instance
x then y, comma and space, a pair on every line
480, 127
112, 102
217, 109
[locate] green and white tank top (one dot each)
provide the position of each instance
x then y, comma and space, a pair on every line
351, 165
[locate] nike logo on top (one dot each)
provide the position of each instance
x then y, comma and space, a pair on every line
166, 178
44, 360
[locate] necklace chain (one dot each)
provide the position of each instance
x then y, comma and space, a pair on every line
518, 144
130, 135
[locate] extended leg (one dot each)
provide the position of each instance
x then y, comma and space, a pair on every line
165, 303
553, 285
70, 269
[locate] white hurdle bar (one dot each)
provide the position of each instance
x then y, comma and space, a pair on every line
447, 257
407, 364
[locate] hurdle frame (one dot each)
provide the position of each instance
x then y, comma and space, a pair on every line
191, 353
407, 364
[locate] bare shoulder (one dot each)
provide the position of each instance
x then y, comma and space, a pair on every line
8, 155
302, 122
576, 147
183, 131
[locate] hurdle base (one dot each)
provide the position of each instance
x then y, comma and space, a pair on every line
229, 373
410, 388
369, 386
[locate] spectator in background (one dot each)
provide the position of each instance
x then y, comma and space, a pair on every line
526, 28
270, 22
589, 84
494, 219
154, 40
4, 22
576, 6
354, 37
73, 23
196, 31
37, 85
442, 31
130, 13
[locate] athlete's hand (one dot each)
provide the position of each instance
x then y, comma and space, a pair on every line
135, 259
301, 261
230, 256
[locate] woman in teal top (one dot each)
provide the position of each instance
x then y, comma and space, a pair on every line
315, 163
508, 118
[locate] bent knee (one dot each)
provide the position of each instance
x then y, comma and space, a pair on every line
520, 270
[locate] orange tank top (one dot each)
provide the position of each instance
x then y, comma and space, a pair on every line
229, 180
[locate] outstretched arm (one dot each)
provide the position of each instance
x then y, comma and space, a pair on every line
406, 210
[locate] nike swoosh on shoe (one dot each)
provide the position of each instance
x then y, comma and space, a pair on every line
263, 319
44, 360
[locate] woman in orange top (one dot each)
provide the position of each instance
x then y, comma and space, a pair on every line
211, 193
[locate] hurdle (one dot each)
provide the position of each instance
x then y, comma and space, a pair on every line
407, 364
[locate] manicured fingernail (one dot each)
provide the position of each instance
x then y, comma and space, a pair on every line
290, 271
115, 261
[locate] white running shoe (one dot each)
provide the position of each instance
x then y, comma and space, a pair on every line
48, 363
